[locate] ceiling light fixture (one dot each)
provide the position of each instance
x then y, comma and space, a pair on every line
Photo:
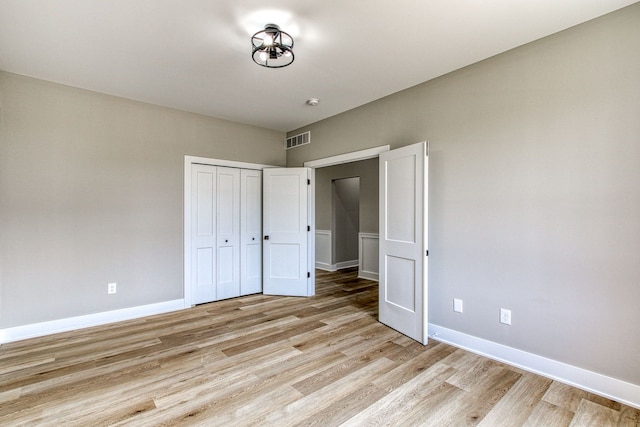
313, 102
272, 48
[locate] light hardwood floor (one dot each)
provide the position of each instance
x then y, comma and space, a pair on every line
265, 360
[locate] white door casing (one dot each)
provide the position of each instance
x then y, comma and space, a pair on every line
403, 240
287, 228
250, 232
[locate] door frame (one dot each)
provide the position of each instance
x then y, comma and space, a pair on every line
188, 161
353, 156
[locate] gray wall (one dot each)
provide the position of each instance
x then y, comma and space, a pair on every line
534, 191
346, 221
367, 170
91, 192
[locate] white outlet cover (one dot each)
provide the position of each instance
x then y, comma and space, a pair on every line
505, 316
457, 305
112, 288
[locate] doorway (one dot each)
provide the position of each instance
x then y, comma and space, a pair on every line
368, 240
347, 217
345, 223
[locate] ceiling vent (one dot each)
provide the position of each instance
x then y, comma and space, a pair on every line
300, 139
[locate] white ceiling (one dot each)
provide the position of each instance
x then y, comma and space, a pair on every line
194, 55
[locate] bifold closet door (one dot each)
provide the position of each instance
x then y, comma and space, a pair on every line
250, 231
225, 232
203, 233
228, 233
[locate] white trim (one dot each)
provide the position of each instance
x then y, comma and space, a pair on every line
311, 235
368, 275
186, 267
611, 388
323, 253
363, 238
346, 264
227, 163
354, 156
69, 324
337, 266
188, 161
324, 266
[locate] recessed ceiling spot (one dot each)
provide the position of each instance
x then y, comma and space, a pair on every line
313, 102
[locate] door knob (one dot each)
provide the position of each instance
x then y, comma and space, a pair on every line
266, 237
226, 241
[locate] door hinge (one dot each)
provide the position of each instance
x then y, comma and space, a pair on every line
308, 274
308, 228
308, 182
427, 252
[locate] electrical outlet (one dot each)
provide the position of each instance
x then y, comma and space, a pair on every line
112, 288
505, 316
457, 305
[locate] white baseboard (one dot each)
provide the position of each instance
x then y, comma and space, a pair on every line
18, 333
346, 264
611, 388
324, 266
335, 267
368, 275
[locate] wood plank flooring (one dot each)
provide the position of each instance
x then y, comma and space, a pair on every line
282, 361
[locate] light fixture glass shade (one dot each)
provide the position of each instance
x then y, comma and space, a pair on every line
272, 48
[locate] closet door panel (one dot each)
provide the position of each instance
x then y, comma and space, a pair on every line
203, 233
251, 232
228, 233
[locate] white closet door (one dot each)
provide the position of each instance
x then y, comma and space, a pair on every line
228, 233
203, 233
250, 232
286, 223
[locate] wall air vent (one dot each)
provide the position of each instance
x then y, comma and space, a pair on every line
300, 139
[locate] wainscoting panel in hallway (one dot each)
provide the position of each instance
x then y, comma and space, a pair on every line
282, 361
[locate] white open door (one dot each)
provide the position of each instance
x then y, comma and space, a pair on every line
287, 223
403, 240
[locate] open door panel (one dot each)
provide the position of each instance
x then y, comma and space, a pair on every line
287, 222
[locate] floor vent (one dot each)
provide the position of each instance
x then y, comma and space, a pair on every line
300, 139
